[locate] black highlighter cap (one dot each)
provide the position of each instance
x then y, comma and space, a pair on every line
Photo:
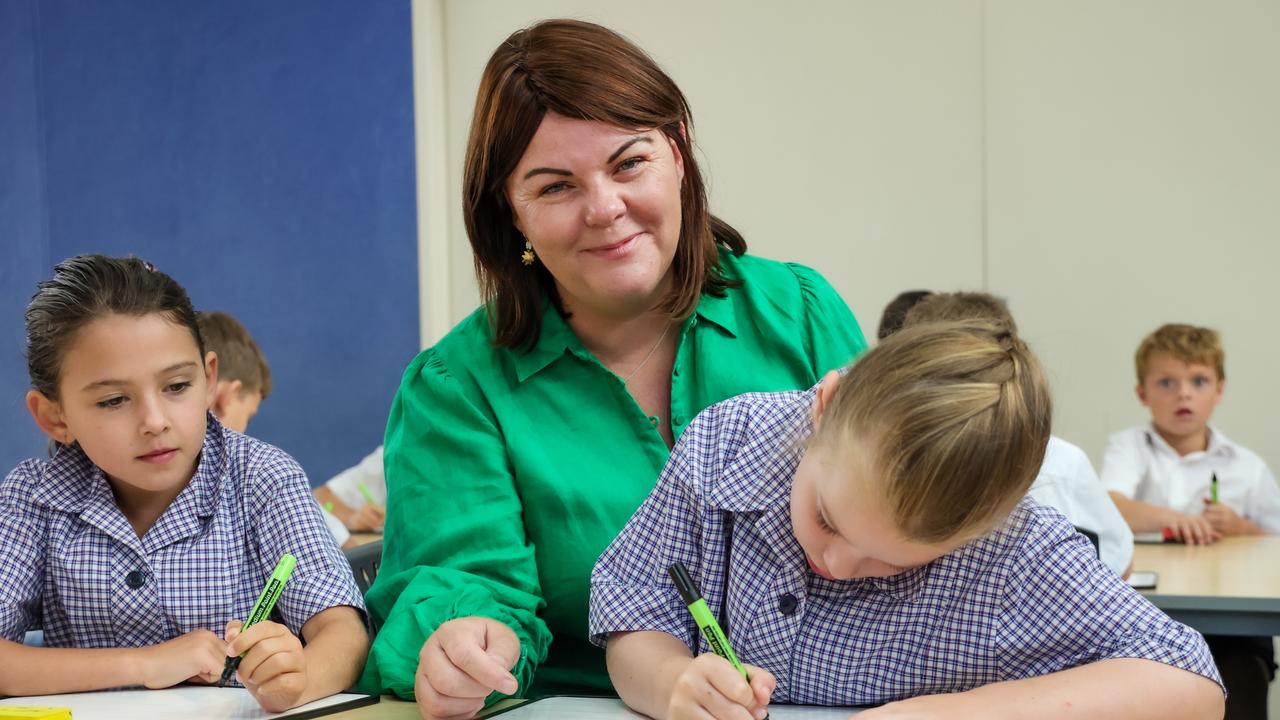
684, 584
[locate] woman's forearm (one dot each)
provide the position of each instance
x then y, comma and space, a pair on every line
644, 666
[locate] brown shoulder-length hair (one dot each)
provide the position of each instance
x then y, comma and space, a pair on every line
586, 72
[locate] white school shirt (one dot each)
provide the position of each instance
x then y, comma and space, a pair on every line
1141, 465
346, 484
1068, 483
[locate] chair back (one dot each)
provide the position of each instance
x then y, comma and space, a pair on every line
365, 560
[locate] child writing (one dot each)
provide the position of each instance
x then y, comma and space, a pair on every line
146, 537
244, 378
358, 494
866, 542
1162, 475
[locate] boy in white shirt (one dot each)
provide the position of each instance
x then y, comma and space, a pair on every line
1066, 481
1163, 474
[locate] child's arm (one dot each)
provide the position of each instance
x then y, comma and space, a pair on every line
655, 674
1145, 517
1120, 688
198, 655
281, 673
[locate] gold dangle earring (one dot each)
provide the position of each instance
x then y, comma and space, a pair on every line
527, 256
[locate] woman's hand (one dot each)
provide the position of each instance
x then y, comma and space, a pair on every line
710, 686
274, 667
196, 656
461, 663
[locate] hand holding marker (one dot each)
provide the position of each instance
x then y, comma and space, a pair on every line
262, 608
702, 616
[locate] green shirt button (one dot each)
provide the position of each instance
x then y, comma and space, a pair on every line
654, 420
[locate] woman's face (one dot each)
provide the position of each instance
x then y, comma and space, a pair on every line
601, 207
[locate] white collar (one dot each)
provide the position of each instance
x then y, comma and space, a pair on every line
1219, 445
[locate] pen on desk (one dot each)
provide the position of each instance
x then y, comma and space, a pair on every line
1213, 488
262, 608
366, 493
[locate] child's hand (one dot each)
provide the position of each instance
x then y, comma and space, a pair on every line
1223, 519
1192, 529
197, 656
710, 686
369, 517
274, 668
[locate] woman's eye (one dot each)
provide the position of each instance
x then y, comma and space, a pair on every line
630, 164
554, 189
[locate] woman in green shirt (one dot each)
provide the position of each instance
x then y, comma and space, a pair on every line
617, 308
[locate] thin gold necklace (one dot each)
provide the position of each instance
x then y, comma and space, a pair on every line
648, 355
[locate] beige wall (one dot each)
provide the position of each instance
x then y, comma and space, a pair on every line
1107, 166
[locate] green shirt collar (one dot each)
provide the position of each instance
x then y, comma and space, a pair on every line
557, 338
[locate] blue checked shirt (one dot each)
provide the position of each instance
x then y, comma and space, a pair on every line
71, 563
1028, 599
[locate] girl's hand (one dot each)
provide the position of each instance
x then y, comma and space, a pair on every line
462, 662
274, 668
197, 656
710, 686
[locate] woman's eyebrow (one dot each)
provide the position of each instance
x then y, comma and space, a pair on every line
627, 144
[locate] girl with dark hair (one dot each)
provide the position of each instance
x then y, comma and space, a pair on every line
145, 537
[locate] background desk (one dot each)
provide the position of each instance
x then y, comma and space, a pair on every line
1229, 588
363, 538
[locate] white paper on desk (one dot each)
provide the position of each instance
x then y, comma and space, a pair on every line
579, 708
185, 702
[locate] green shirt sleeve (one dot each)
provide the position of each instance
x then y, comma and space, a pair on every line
455, 533
834, 338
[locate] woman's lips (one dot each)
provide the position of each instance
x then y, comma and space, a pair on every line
618, 249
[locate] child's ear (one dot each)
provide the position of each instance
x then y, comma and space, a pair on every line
1141, 392
224, 393
48, 415
822, 398
211, 379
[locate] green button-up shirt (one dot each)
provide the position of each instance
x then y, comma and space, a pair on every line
509, 472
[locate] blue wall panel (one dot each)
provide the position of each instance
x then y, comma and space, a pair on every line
23, 240
262, 154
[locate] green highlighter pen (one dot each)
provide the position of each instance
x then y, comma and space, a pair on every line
366, 493
702, 615
1213, 488
262, 608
